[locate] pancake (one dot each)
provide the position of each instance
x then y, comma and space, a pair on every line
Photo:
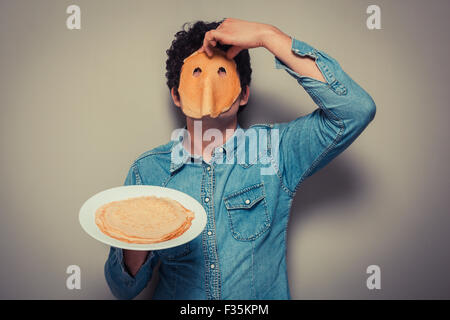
143, 220
208, 85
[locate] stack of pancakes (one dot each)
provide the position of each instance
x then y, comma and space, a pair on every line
143, 220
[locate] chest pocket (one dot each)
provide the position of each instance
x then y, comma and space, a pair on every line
247, 212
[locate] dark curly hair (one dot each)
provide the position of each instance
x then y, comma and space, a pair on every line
188, 41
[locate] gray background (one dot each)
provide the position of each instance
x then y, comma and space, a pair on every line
78, 106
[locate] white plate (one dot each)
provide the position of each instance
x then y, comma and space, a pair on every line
87, 215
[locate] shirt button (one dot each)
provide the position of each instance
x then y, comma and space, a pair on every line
247, 201
212, 266
206, 199
209, 233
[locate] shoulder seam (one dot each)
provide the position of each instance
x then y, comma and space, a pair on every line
285, 188
151, 153
137, 175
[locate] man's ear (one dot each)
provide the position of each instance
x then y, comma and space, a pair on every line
175, 98
244, 97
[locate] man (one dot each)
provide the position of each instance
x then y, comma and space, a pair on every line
241, 253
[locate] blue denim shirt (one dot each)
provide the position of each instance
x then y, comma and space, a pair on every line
241, 253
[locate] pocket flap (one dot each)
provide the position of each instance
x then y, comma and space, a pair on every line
245, 198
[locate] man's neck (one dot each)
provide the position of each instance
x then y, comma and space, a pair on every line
208, 133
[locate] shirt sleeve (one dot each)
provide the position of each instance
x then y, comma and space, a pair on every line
120, 282
308, 143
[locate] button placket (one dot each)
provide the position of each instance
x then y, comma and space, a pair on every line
211, 258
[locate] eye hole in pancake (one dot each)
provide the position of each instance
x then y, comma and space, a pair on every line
222, 72
197, 72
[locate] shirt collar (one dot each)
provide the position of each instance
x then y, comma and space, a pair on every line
179, 155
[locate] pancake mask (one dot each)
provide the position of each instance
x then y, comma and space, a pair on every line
208, 85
